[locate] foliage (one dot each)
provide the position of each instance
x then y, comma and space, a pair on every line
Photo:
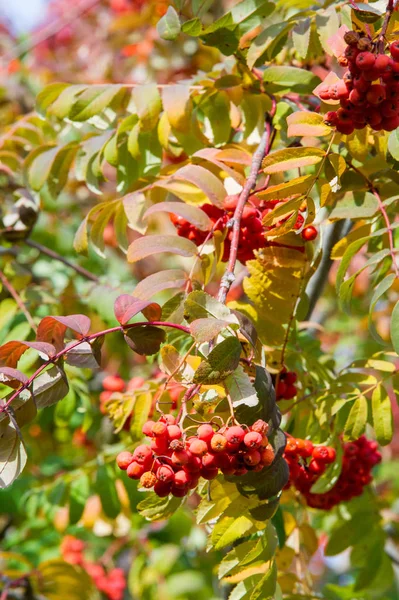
224, 254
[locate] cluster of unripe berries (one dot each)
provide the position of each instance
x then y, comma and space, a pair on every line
285, 388
112, 583
359, 458
369, 90
173, 462
252, 230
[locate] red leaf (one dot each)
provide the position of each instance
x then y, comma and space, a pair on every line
127, 306
12, 377
11, 352
52, 329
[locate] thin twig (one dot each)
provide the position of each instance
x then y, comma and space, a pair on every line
65, 261
13, 292
262, 150
384, 213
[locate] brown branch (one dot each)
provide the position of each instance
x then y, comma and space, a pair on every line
13, 292
262, 150
387, 18
65, 261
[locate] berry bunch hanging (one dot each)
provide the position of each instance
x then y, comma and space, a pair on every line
369, 90
285, 388
112, 583
359, 457
174, 462
252, 233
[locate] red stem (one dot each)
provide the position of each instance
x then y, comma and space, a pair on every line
88, 338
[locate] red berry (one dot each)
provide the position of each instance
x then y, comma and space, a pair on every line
168, 419
113, 383
210, 461
253, 439
198, 447
142, 454
234, 435
165, 474
180, 458
209, 473
382, 62
267, 455
291, 377
193, 465
376, 94
124, 459
182, 479
309, 233
252, 458
317, 467
174, 432
290, 392
178, 492
147, 428
365, 60
280, 389
159, 429
330, 118
135, 470
291, 448
205, 433
394, 50
162, 489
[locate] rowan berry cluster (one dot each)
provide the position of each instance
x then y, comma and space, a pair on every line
112, 583
358, 460
173, 462
285, 388
252, 232
369, 90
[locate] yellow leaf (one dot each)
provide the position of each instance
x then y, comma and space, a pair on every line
295, 187
291, 158
307, 123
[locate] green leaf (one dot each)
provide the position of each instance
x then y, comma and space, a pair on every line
169, 26
355, 205
265, 589
301, 37
106, 489
331, 475
382, 415
393, 144
54, 579
200, 305
142, 409
145, 340
92, 101
47, 96
395, 327
79, 492
157, 509
192, 27
379, 291
206, 329
221, 362
236, 529
223, 39
148, 104
241, 390
357, 419
268, 43
154, 244
289, 79
291, 158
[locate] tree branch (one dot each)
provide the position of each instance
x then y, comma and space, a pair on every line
65, 261
262, 150
387, 18
334, 232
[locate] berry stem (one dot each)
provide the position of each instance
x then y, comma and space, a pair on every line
44, 250
262, 150
82, 340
